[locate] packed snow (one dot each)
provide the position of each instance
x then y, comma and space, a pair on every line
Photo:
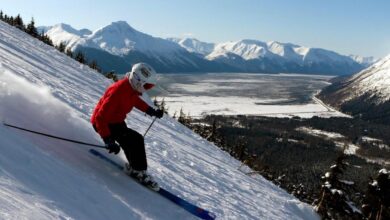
43, 178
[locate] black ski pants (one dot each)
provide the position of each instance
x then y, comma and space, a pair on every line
132, 144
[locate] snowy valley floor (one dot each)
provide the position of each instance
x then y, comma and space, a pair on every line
276, 95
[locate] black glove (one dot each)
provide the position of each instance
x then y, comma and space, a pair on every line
111, 146
157, 113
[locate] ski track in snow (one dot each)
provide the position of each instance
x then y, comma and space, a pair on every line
43, 178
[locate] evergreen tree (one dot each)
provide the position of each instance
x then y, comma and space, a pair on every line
69, 52
61, 47
155, 102
112, 75
182, 117
94, 65
1, 15
334, 202
45, 39
80, 57
31, 29
6, 19
18, 22
163, 106
376, 204
10, 20
213, 133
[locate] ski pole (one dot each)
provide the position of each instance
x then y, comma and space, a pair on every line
165, 91
150, 126
55, 137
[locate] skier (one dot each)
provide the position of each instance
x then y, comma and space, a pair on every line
108, 120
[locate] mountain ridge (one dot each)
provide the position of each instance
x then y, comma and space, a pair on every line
247, 55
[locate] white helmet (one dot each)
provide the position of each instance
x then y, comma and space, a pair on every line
142, 77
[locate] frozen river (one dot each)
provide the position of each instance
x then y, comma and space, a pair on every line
237, 93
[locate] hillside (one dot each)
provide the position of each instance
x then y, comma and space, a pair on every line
365, 94
44, 90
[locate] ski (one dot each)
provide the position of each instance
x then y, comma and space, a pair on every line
191, 208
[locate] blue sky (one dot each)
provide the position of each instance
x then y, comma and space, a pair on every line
346, 26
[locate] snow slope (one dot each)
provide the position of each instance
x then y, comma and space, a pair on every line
43, 178
374, 81
370, 86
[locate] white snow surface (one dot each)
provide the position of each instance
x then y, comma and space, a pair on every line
236, 105
43, 178
206, 105
375, 80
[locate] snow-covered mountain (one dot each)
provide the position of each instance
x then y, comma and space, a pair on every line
374, 80
194, 46
42, 178
117, 45
64, 33
119, 38
283, 57
366, 61
254, 49
366, 93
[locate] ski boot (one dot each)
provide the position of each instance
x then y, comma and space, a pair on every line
142, 177
128, 169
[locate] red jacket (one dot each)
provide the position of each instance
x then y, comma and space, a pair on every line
118, 100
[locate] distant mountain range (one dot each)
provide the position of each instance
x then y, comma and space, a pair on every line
117, 46
365, 94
